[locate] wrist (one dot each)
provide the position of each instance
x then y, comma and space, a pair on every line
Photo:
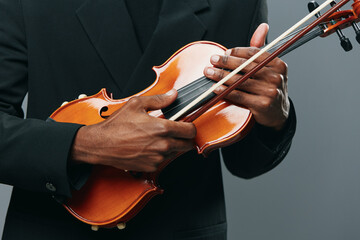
80, 150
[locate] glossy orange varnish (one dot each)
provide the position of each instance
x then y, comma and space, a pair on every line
112, 195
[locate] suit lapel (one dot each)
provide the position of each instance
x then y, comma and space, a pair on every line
110, 29
178, 25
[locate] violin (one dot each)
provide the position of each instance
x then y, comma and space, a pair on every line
111, 197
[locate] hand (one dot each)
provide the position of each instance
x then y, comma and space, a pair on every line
265, 94
131, 139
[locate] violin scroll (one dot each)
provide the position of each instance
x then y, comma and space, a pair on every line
341, 20
356, 7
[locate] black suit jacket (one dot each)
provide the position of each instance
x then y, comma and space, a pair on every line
55, 50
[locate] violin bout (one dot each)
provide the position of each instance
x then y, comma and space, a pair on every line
112, 196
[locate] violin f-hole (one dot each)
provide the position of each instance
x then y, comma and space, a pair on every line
102, 111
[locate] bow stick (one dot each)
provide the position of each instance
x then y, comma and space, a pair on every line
230, 88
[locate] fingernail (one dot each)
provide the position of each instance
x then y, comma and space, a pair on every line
219, 89
215, 58
171, 92
228, 52
210, 71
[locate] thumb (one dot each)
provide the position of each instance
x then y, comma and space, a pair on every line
159, 101
259, 36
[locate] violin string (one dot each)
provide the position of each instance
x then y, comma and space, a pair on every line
210, 104
196, 88
285, 39
313, 33
187, 100
186, 94
309, 36
191, 85
197, 84
252, 59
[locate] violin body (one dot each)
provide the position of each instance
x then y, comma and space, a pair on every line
112, 196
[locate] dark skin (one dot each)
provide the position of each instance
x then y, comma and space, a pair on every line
265, 94
131, 139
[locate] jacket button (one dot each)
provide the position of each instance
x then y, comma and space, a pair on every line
50, 187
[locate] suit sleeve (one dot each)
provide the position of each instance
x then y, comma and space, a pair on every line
261, 150
33, 153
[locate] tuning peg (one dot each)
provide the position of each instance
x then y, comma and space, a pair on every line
64, 103
357, 31
82, 96
344, 41
312, 6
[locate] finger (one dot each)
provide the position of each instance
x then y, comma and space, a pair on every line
259, 36
248, 52
166, 146
217, 75
264, 79
154, 102
144, 167
252, 86
255, 103
229, 62
167, 128
178, 145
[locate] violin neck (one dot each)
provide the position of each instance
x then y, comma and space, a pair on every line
316, 32
193, 90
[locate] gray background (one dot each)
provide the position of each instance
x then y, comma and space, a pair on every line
314, 193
